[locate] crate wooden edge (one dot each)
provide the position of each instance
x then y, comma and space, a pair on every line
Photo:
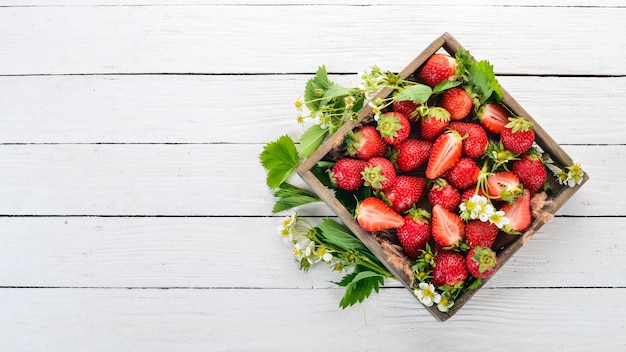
543, 139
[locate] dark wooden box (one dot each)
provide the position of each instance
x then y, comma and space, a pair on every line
507, 248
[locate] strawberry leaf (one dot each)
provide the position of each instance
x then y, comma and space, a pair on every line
483, 81
359, 285
445, 85
338, 235
310, 140
315, 89
290, 196
280, 159
418, 93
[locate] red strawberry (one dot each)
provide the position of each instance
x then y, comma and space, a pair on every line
410, 154
518, 213
438, 68
394, 127
503, 185
407, 108
493, 117
518, 135
448, 228
457, 102
470, 192
415, 233
346, 174
479, 233
404, 192
446, 151
481, 262
434, 123
463, 174
365, 143
531, 172
379, 173
444, 194
475, 138
449, 269
374, 215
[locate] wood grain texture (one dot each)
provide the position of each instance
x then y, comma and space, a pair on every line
202, 39
278, 320
209, 109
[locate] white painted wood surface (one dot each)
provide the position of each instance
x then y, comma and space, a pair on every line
133, 212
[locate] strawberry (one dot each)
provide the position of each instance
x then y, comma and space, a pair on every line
434, 123
444, 194
446, 151
448, 228
346, 174
410, 154
449, 269
518, 135
463, 174
493, 117
518, 213
481, 262
404, 192
374, 215
365, 143
415, 233
379, 173
407, 108
531, 172
504, 185
438, 68
457, 102
479, 233
394, 127
475, 138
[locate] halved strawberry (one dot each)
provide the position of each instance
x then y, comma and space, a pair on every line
374, 215
394, 127
504, 185
404, 192
518, 213
446, 151
438, 68
457, 102
410, 154
448, 228
493, 117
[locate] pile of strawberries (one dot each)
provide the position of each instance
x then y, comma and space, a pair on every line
423, 161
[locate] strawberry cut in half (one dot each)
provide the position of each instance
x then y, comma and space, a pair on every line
504, 185
448, 228
518, 214
493, 117
446, 151
374, 215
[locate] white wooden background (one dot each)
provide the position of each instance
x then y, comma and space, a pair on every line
133, 211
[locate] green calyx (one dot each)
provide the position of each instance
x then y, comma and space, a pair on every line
519, 124
389, 125
373, 177
351, 143
419, 214
498, 156
486, 258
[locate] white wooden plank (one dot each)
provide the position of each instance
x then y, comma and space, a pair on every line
220, 252
131, 39
213, 179
586, 3
209, 109
278, 320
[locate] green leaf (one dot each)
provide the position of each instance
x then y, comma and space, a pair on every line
339, 236
280, 159
290, 196
359, 285
445, 85
315, 89
311, 140
418, 93
483, 80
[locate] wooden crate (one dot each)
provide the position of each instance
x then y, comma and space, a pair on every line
505, 246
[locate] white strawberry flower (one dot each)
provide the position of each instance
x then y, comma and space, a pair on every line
286, 228
322, 253
426, 294
498, 219
303, 249
477, 207
444, 303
